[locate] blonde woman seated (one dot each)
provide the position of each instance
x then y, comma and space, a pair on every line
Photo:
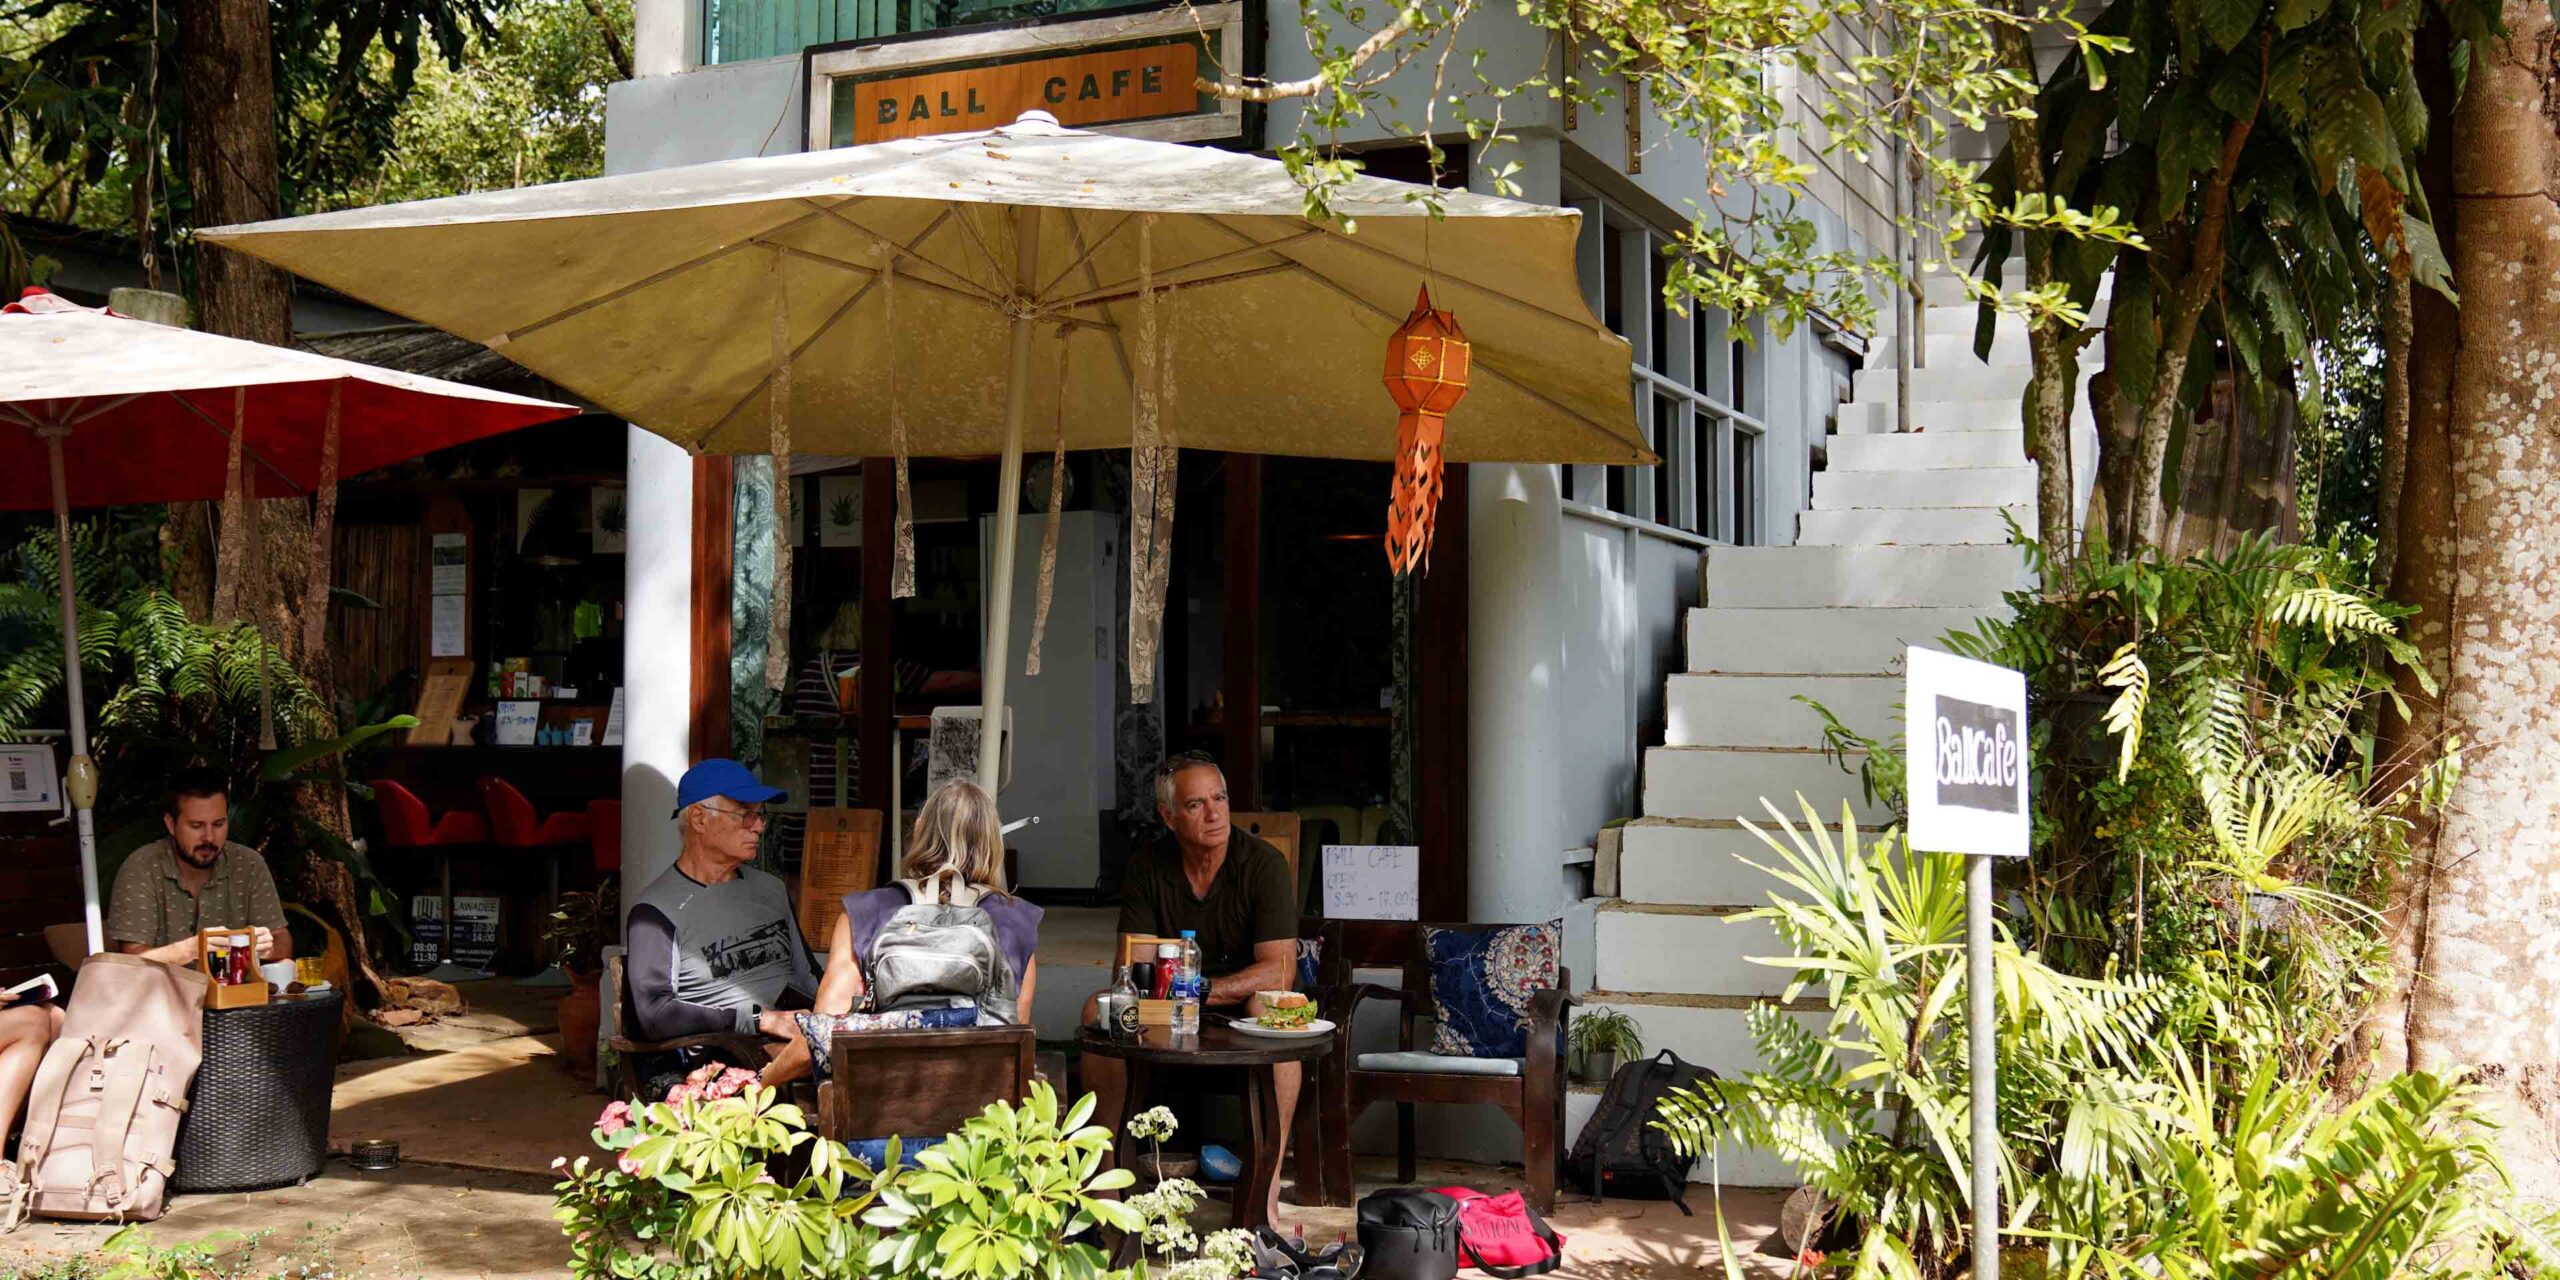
944, 946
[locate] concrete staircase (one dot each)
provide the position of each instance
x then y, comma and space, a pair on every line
1906, 540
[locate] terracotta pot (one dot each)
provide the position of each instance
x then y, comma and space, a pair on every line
580, 1013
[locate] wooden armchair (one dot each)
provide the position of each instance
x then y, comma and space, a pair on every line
625, 1044
921, 1084
1529, 1089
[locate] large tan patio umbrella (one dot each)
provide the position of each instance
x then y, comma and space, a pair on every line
914, 295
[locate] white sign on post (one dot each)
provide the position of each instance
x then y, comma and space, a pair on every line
27, 780
1372, 881
1965, 726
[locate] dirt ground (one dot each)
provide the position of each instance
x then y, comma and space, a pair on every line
482, 1104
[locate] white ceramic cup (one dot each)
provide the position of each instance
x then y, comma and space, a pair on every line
278, 973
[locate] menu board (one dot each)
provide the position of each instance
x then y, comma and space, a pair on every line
1372, 881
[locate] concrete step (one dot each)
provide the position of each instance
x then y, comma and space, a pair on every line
1762, 711
1969, 487
1936, 526
1865, 577
1929, 451
1686, 951
1714, 862
1730, 782
1935, 417
1950, 381
1827, 641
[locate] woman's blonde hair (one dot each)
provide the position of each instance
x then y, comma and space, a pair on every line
959, 829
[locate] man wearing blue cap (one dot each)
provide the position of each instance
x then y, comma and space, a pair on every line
715, 948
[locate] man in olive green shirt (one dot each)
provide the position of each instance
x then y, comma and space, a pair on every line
195, 879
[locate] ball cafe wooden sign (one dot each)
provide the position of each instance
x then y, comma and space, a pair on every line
1079, 89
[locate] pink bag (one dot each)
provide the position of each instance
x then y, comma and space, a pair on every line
1500, 1236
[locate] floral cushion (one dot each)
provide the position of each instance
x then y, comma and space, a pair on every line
1481, 981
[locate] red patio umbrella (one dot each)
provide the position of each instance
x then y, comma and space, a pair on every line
99, 409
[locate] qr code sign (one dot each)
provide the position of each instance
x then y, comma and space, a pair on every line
18, 780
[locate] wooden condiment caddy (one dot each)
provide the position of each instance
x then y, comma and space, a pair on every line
219, 994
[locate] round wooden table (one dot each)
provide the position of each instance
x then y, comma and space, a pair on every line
1215, 1046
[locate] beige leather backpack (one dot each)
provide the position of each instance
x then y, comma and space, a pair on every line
102, 1118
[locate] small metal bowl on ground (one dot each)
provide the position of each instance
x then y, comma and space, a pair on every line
375, 1155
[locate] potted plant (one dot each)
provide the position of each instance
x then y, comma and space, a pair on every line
1602, 1040
577, 935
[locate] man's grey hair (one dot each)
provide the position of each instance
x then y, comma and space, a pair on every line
1166, 772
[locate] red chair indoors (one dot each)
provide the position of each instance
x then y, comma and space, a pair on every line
406, 825
513, 824
604, 834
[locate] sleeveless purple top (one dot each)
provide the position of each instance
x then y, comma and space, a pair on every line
1017, 924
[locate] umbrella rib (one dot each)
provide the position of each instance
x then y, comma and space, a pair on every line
574, 310
108, 407
874, 272
908, 252
264, 464
1129, 288
995, 269
1123, 295
845, 309
1088, 250
1119, 345
1381, 312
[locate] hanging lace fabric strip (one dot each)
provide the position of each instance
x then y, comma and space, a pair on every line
902, 540
1168, 475
777, 645
1145, 470
1057, 507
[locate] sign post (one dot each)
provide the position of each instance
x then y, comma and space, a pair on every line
1966, 738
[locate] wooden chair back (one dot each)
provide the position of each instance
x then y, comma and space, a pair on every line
1279, 830
923, 1084
839, 854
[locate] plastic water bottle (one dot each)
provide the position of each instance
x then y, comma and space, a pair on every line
1190, 987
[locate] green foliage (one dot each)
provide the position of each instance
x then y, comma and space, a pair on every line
1607, 1031
2305, 116
1869, 1100
1766, 90
2140, 1138
221, 1255
722, 1181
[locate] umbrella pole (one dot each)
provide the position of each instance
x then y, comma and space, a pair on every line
1017, 393
81, 783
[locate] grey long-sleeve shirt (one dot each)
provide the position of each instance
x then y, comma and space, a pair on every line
707, 957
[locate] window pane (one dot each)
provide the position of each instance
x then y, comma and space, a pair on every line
1702, 473
1613, 280
1746, 487
1660, 274
1666, 442
1742, 388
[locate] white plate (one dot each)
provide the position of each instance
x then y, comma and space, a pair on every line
1319, 1027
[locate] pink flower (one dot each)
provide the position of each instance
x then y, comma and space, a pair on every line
729, 1083
684, 1093
628, 1165
616, 1118
706, 1073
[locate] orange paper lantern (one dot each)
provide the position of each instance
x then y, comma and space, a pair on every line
1427, 374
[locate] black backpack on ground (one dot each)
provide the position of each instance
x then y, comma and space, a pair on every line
1619, 1153
1408, 1234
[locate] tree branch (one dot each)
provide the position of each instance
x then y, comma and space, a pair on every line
1311, 85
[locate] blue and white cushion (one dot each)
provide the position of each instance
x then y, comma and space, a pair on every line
1481, 981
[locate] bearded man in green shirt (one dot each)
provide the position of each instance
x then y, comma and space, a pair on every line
193, 879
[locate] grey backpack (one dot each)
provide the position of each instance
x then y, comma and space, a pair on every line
940, 950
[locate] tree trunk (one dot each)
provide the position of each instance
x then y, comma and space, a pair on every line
226, 74
2054, 356
2395, 428
2483, 477
2187, 301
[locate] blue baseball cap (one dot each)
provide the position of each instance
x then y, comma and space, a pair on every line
725, 778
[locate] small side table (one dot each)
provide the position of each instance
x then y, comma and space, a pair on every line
1219, 1046
258, 1116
